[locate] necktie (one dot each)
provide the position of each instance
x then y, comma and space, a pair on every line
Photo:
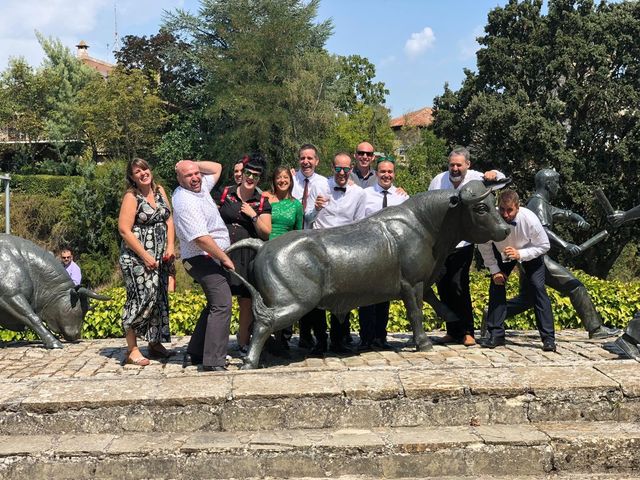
305, 193
340, 189
384, 198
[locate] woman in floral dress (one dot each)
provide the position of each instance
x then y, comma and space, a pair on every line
146, 226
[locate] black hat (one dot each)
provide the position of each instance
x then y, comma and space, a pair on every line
257, 163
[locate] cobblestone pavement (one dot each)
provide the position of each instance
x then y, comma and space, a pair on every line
104, 358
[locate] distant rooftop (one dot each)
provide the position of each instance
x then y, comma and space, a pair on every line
419, 118
102, 67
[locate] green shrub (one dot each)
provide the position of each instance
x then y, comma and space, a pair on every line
51, 185
616, 302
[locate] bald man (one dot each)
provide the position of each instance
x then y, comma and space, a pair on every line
363, 175
203, 239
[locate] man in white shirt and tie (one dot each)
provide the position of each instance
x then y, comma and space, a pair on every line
303, 181
526, 244
335, 203
374, 318
453, 287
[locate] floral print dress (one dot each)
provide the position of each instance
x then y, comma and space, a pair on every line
146, 309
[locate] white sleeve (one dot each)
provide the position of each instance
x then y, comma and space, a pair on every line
360, 207
486, 250
538, 239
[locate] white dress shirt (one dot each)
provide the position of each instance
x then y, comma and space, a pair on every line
298, 189
196, 215
442, 181
375, 197
527, 236
342, 208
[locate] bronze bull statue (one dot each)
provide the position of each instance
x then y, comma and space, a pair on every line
37, 290
396, 253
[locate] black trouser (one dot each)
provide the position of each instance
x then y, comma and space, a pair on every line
454, 292
211, 334
315, 320
534, 273
562, 280
373, 322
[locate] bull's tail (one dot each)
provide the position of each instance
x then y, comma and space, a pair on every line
254, 243
260, 311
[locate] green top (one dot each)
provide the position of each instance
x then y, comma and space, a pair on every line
286, 215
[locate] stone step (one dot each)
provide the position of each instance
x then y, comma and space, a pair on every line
393, 452
364, 397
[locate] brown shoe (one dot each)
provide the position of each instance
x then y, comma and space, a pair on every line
468, 341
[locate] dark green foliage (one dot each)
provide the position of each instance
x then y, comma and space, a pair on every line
557, 90
52, 185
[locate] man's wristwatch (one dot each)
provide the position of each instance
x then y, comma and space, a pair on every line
254, 219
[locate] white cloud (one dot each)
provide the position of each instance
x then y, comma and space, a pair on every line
469, 46
72, 21
419, 42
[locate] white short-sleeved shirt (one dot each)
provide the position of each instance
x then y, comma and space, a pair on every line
195, 215
375, 197
343, 208
527, 236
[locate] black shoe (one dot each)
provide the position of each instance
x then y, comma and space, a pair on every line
274, 347
382, 344
549, 345
306, 342
364, 346
210, 368
318, 350
628, 345
339, 348
493, 342
604, 332
348, 339
190, 359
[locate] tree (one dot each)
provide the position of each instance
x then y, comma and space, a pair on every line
559, 90
121, 114
355, 84
253, 56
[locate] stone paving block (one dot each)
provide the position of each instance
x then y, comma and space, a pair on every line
25, 444
520, 435
314, 384
625, 373
146, 443
380, 384
418, 383
82, 444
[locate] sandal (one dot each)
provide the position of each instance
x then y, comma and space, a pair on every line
157, 350
140, 362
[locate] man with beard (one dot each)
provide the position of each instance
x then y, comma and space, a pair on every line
203, 239
453, 286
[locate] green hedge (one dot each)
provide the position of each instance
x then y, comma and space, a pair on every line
616, 301
51, 185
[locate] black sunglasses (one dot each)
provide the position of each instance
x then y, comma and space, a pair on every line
361, 153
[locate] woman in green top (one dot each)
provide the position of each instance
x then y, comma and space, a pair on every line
286, 211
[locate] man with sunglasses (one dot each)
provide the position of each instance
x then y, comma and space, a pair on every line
363, 175
336, 203
72, 268
453, 287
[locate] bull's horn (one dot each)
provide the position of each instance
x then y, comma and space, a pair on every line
91, 294
474, 192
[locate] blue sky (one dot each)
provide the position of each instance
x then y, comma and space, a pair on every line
416, 45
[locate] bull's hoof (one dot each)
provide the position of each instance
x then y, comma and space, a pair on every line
53, 344
247, 366
424, 346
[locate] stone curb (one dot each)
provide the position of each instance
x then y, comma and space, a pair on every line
591, 447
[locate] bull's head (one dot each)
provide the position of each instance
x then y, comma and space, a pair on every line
65, 314
480, 219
